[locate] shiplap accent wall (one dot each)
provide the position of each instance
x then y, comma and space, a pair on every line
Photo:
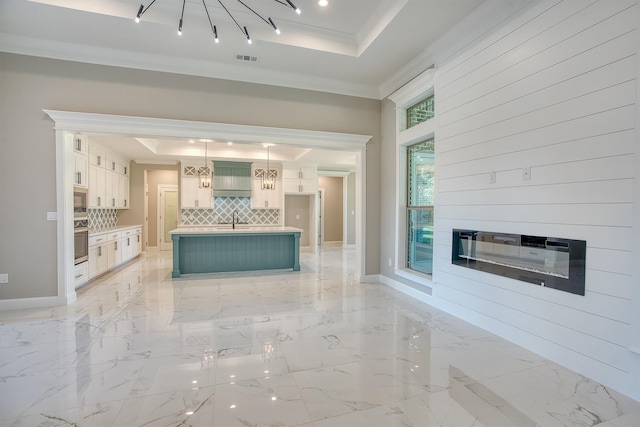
552, 90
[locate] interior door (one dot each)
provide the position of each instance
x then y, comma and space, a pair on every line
168, 215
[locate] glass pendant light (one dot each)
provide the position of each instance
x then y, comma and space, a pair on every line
204, 173
268, 178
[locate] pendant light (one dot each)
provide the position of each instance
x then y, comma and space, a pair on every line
204, 173
268, 178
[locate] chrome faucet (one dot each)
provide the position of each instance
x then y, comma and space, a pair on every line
234, 219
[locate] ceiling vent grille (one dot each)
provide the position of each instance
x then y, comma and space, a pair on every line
246, 58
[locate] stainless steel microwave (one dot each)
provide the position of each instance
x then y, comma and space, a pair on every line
80, 201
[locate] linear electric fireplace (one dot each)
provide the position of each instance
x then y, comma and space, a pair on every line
547, 261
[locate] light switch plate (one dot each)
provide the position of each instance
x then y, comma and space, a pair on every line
492, 178
52, 216
526, 174
4, 278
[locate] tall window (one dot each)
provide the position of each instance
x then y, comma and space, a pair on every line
420, 191
420, 112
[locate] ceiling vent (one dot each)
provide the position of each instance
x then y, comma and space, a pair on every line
246, 58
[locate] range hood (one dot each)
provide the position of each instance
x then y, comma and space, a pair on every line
231, 179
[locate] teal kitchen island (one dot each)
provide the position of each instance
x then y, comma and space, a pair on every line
222, 248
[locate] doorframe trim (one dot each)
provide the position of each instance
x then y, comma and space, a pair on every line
68, 122
158, 209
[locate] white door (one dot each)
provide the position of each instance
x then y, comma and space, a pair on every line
167, 214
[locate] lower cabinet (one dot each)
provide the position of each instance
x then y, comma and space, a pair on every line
114, 252
111, 249
98, 258
80, 274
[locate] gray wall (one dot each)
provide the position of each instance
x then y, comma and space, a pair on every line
333, 208
135, 214
296, 214
27, 142
351, 209
154, 179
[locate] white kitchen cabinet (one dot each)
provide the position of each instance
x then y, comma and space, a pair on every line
97, 187
80, 274
81, 144
112, 187
137, 248
124, 168
265, 199
192, 196
123, 192
303, 180
97, 155
98, 258
108, 178
81, 170
131, 243
127, 248
113, 162
114, 252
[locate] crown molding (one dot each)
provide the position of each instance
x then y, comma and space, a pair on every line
170, 128
21, 45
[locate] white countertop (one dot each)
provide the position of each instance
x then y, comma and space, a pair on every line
240, 229
111, 230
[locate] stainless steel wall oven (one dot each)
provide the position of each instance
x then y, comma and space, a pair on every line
80, 241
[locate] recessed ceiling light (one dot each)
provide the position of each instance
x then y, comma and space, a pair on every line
191, 141
206, 140
229, 143
323, 3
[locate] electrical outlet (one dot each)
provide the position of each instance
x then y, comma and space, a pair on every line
52, 216
389, 262
492, 178
526, 174
4, 278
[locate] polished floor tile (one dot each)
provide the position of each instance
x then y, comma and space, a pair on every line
278, 348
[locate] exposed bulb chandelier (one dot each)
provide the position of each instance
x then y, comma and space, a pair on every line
142, 10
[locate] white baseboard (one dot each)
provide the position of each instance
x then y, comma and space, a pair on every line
332, 244
371, 278
407, 290
36, 302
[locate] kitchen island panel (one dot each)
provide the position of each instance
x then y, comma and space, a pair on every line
224, 252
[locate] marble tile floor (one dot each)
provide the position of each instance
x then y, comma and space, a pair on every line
308, 349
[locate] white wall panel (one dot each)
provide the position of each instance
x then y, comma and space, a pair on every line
602, 123
558, 47
610, 144
553, 90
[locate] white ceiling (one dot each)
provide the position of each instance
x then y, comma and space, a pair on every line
352, 47
166, 150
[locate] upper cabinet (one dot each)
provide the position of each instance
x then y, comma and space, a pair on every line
97, 155
232, 179
80, 160
81, 144
108, 183
300, 180
261, 198
192, 196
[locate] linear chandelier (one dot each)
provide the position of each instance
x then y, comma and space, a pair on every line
142, 10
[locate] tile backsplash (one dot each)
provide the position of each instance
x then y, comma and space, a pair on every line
223, 213
102, 219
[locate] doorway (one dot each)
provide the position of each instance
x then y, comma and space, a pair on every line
167, 215
320, 205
